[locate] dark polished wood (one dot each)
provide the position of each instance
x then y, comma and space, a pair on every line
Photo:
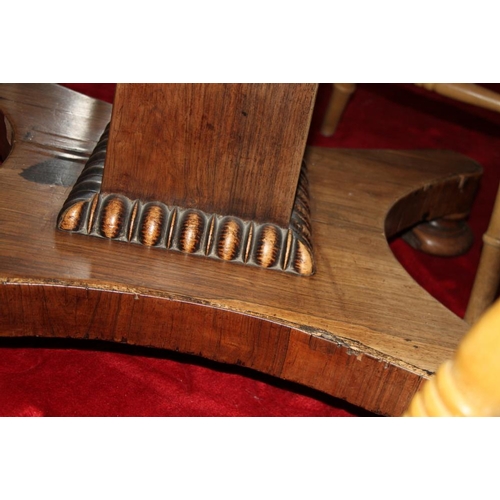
91, 212
360, 329
445, 237
207, 146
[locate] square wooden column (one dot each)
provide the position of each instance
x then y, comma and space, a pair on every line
229, 149
207, 169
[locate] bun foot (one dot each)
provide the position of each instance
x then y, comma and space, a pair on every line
448, 236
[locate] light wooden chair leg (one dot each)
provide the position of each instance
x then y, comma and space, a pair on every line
488, 274
468, 385
340, 97
469, 93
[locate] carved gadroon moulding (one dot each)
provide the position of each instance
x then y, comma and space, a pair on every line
155, 224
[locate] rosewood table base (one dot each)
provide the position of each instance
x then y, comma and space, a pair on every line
359, 329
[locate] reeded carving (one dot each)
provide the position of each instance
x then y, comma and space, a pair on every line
154, 224
229, 239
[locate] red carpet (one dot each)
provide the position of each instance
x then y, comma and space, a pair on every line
65, 378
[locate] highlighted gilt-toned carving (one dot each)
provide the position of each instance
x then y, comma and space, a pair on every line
468, 385
187, 230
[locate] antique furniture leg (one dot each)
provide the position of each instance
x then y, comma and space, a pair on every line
212, 170
449, 236
470, 93
359, 328
467, 385
487, 278
341, 93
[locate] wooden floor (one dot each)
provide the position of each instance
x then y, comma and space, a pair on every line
360, 329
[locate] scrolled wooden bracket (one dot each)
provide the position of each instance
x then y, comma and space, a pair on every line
154, 224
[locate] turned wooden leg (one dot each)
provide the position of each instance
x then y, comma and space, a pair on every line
469, 93
338, 101
467, 385
488, 274
448, 236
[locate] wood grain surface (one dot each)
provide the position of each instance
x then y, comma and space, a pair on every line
207, 146
467, 385
89, 211
360, 329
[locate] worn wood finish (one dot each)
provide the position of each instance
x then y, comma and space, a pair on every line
467, 385
109, 215
213, 143
360, 329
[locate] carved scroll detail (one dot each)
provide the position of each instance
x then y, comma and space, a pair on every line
155, 224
